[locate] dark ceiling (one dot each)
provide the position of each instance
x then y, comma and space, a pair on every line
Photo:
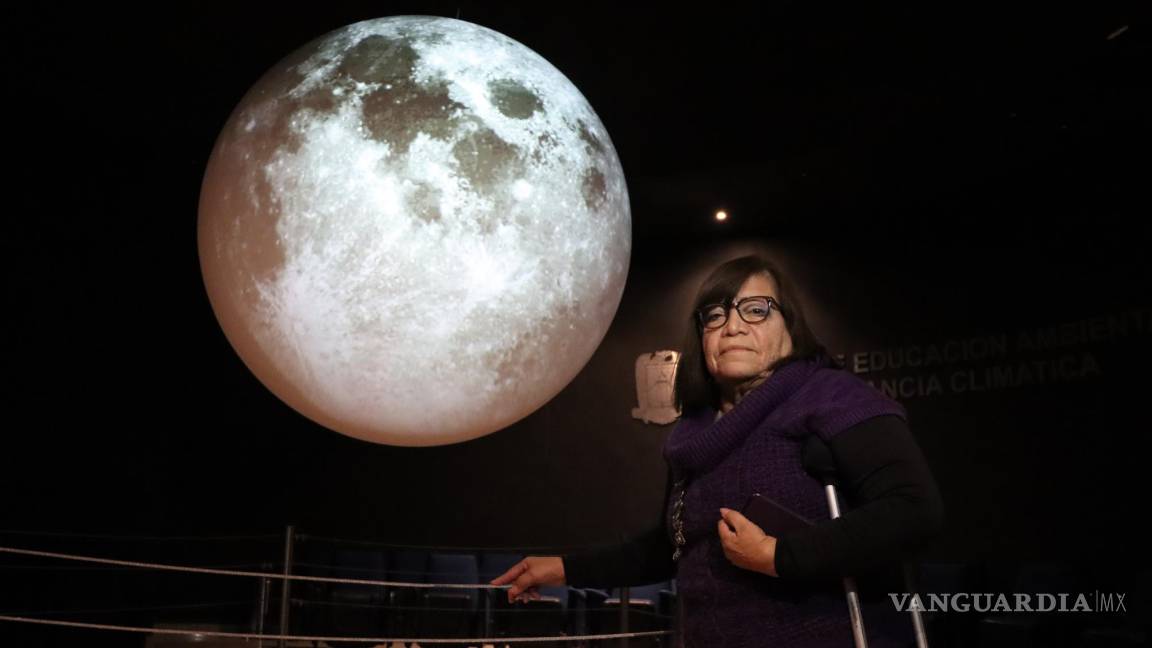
797, 117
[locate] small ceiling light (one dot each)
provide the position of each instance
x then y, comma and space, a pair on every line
721, 215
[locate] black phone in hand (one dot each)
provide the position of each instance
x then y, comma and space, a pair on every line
771, 516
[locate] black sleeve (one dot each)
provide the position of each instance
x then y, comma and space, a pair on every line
896, 506
639, 560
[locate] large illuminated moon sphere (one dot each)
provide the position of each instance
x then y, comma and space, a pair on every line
414, 230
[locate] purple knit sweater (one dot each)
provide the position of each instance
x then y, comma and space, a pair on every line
755, 448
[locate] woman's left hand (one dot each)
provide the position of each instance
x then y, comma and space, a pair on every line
745, 544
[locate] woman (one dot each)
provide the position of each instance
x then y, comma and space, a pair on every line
753, 385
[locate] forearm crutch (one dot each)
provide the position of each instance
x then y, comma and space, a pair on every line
849, 583
818, 461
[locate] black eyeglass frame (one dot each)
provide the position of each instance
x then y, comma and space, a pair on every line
728, 305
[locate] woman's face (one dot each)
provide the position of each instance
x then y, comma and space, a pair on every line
739, 351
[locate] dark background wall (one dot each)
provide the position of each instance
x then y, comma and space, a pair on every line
925, 178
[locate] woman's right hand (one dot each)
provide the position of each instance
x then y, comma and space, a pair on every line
528, 574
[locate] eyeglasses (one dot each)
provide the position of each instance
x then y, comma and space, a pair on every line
752, 310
